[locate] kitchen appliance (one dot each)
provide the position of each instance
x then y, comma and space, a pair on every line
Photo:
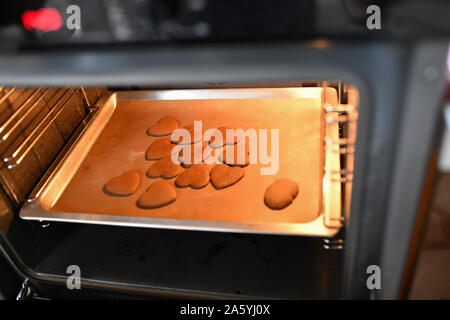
368, 108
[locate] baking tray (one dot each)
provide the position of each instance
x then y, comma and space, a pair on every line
115, 140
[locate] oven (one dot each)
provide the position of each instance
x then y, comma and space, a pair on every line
351, 123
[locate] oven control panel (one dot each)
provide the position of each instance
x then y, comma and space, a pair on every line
112, 21
69, 23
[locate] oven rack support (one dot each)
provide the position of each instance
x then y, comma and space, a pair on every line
6, 93
27, 145
333, 244
26, 291
15, 121
23, 130
344, 114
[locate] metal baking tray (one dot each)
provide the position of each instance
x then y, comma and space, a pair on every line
115, 140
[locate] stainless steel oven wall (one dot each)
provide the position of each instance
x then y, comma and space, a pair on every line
35, 124
380, 71
30, 137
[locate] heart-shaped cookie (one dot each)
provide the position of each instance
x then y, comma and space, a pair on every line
164, 168
159, 149
160, 193
223, 176
196, 176
187, 162
233, 156
193, 138
280, 194
123, 185
226, 140
165, 126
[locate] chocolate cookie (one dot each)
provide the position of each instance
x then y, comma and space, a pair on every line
160, 193
234, 160
223, 176
165, 126
124, 185
196, 176
216, 143
280, 194
164, 168
193, 139
186, 163
159, 149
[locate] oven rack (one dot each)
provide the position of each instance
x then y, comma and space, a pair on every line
17, 155
27, 145
41, 198
344, 114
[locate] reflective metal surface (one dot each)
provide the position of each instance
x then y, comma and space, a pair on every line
47, 195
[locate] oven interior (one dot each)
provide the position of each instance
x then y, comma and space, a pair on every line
59, 146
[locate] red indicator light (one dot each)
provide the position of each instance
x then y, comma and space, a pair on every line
45, 19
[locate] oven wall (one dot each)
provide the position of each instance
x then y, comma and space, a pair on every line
36, 123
